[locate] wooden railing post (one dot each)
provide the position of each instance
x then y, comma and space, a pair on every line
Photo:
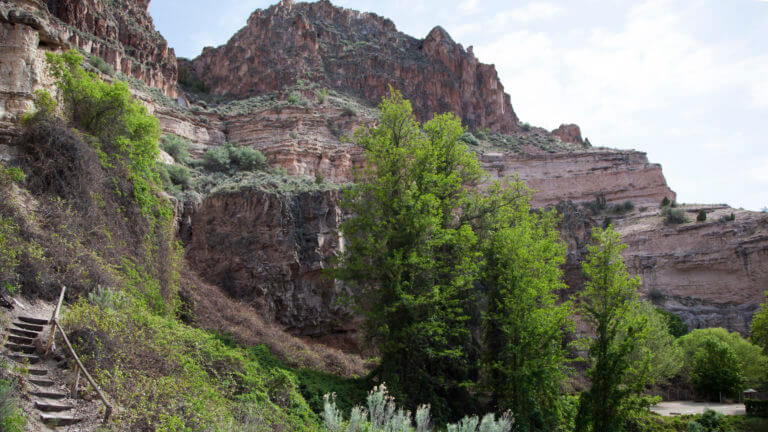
54, 317
96, 387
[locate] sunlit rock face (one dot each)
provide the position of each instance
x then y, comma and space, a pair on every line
358, 53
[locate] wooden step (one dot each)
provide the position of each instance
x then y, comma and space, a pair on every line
57, 420
49, 394
42, 382
37, 372
52, 407
20, 340
31, 320
25, 358
30, 327
24, 333
29, 349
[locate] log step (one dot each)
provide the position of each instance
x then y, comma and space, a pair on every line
56, 420
37, 372
24, 333
22, 358
30, 327
42, 382
31, 320
49, 394
20, 340
29, 349
52, 407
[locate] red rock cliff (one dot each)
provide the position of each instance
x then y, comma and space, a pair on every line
359, 53
122, 33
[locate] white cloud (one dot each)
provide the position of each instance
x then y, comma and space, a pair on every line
470, 6
531, 12
759, 171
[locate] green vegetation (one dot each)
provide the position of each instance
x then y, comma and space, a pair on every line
11, 416
756, 408
101, 65
628, 351
168, 376
177, 147
413, 264
524, 358
322, 95
190, 82
702, 216
665, 202
759, 328
749, 357
674, 216
383, 415
716, 371
229, 158
729, 218
677, 327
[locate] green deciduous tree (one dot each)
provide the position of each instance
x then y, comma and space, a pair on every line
759, 334
411, 258
716, 370
752, 362
621, 350
524, 359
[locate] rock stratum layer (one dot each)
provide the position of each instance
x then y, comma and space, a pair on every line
357, 53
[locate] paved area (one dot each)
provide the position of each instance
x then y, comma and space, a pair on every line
686, 407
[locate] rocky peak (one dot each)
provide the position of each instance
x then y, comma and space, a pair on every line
569, 133
357, 53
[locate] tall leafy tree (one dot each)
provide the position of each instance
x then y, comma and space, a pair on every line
524, 358
412, 258
607, 303
717, 371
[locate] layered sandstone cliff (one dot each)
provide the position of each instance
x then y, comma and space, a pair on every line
357, 53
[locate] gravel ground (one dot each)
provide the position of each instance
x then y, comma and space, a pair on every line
686, 407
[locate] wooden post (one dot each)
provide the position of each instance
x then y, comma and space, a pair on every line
53, 322
76, 382
87, 375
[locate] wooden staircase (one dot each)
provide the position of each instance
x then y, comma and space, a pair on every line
51, 400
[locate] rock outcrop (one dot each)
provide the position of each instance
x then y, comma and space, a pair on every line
569, 133
357, 53
271, 250
712, 274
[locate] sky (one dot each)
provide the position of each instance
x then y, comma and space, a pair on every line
685, 81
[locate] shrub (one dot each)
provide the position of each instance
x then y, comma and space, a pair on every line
349, 111
677, 327
101, 65
295, 98
383, 415
525, 126
217, 159
190, 82
293, 134
322, 95
11, 175
176, 146
756, 408
178, 175
11, 416
665, 202
229, 158
596, 206
247, 158
674, 216
702, 216
729, 218
470, 139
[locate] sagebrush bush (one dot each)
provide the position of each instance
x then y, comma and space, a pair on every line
470, 139
176, 146
383, 415
702, 216
674, 216
229, 158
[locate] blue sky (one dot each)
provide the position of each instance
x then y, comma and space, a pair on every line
684, 81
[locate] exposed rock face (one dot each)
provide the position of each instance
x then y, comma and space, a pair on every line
712, 273
122, 33
359, 53
271, 250
618, 175
569, 133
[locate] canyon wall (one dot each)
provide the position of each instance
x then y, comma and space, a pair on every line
357, 53
271, 248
